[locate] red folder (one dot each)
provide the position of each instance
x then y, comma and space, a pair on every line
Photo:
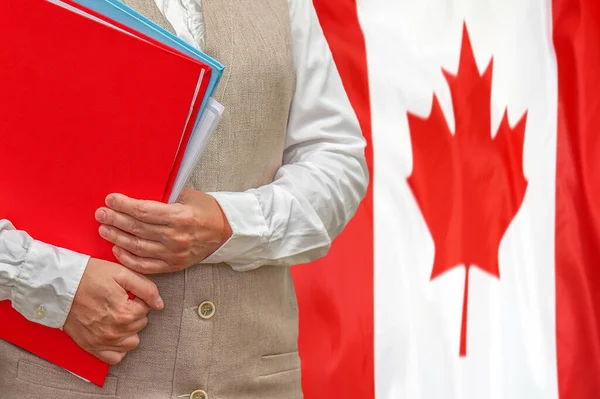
202, 89
85, 110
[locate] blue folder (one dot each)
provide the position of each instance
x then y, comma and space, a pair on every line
120, 12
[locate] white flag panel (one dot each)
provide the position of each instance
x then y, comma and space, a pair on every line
511, 342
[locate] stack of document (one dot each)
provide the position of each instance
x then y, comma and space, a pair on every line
95, 99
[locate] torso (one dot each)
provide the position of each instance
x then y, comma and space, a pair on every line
248, 349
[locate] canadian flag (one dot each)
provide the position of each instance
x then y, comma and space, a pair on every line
472, 269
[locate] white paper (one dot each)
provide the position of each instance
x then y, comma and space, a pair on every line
204, 130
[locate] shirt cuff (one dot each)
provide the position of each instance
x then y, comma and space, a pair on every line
47, 283
249, 230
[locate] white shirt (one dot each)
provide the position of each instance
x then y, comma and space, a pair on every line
290, 221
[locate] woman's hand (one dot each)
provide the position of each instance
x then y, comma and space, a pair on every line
152, 237
103, 320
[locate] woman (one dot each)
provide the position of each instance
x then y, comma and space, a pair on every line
285, 172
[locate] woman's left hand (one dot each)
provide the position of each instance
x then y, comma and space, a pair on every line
152, 237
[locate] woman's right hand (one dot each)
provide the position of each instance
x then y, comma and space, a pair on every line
103, 320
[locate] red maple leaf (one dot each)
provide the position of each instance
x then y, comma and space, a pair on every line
470, 185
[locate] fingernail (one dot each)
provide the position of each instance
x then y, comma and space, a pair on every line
101, 215
160, 303
104, 231
110, 200
116, 251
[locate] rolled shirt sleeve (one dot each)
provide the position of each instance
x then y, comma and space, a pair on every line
39, 279
316, 192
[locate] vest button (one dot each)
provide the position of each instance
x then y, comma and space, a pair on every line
206, 310
199, 394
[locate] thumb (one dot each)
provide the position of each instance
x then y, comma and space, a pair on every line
142, 288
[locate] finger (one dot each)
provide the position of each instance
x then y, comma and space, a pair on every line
138, 308
129, 343
110, 357
139, 264
112, 345
136, 326
147, 211
138, 246
130, 224
141, 287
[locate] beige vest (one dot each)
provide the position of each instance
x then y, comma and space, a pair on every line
248, 348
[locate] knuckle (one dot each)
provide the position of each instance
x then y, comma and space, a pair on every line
121, 274
183, 240
184, 215
124, 318
111, 335
141, 210
137, 245
180, 209
141, 316
119, 318
135, 227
